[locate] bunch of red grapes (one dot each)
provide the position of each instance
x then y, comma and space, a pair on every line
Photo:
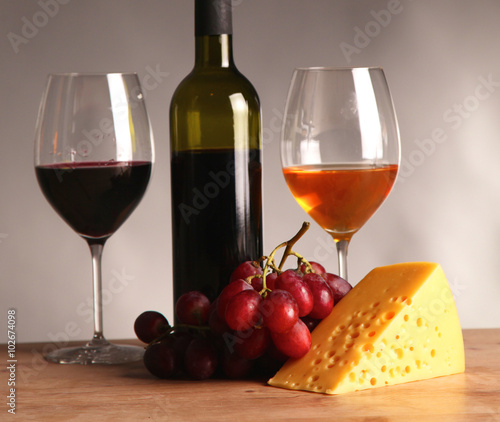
261, 318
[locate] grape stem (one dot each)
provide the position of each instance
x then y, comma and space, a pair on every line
288, 245
302, 260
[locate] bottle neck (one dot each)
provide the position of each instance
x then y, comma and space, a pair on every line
214, 51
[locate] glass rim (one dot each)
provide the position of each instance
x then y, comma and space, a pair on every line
333, 68
77, 74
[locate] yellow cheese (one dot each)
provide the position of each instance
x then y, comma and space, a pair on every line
398, 324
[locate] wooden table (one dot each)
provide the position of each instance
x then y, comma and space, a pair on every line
51, 392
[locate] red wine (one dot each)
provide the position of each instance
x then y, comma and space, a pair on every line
94, 198
216, 216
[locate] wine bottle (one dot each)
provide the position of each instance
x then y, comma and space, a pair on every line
215, 150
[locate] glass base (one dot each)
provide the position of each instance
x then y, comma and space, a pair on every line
97, 351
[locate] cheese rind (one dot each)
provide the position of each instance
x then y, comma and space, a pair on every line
398, 324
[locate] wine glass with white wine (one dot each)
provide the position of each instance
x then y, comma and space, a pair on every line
340, 147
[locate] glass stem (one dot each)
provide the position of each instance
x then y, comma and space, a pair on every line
96, 252
342, 255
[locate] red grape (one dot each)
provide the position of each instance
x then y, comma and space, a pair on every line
150, 325
192, 308
228, 292
242, 310
295, 342
256, 283
181, 340
292, 283
160, 360
217, 324
310, 322
317, 268
271, 280
279, 311
200, 360
245, 270
338, 286
252, 343
235, 366
322, 295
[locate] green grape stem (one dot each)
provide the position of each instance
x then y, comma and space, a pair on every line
292, 242
300, 260
288, 245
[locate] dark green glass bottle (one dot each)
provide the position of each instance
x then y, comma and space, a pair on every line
216, 170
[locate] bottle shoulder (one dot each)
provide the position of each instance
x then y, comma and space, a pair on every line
216, 108
214, 85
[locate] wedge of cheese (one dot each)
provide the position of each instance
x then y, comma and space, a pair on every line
398, 324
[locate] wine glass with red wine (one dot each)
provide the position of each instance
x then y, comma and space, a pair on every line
340, 147
93, 161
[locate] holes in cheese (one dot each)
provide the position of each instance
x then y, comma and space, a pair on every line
399, 353
368, 348
389, 315
398, 324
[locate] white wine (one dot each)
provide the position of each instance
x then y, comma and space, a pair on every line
215, 148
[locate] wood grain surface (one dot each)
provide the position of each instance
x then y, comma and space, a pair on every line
51, 392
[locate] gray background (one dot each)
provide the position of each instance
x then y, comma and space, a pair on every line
442, 62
